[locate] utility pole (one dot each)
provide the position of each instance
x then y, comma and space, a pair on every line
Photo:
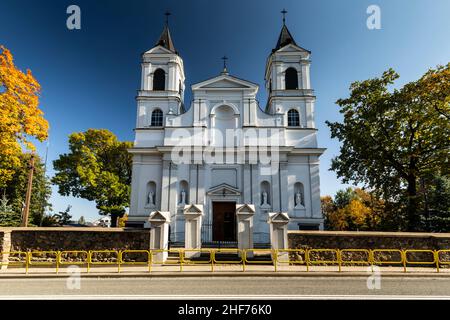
28, 196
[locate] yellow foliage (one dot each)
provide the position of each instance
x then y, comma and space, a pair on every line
20, 116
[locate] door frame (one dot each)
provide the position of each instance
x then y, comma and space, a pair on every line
212, 220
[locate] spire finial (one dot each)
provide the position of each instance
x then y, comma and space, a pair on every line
224, 58
284, 16
167, 14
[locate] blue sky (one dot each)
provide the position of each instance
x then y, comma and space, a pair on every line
89, 77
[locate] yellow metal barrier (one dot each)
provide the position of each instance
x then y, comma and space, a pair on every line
189, 261
438, 258
107, 262
270, 252
297, 252
223, 257
35, 254
334, 251
166, 261
125, 252
381, 262
62, 255
239, 252
342, 252
23, 262
435, 261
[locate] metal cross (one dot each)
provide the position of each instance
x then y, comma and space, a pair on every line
224, 58
284, 15
167, 14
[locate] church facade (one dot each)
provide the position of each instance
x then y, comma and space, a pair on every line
226, 149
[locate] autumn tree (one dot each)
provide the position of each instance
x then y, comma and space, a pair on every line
97, 168
353, 209
20, 116
392, 139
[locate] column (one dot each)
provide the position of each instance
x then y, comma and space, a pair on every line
278, 222
159, 234
244, 218
193, 215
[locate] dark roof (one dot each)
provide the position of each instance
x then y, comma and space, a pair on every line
284, 39
165, 40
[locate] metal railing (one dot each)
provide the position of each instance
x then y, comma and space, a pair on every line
213, 258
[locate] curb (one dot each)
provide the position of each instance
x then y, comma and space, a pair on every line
222, 274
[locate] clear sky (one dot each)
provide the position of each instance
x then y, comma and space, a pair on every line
89, 77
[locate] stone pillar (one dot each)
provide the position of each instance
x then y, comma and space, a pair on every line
193, 215
244, 218
159, 234
278, 222
5, 247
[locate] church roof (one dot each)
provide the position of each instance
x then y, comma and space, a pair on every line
284, 39
165, 40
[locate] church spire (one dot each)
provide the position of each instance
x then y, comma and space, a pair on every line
285, 37
165, 40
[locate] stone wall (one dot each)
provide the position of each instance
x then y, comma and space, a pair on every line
368, 240
44, 239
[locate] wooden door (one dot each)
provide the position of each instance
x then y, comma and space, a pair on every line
224, 221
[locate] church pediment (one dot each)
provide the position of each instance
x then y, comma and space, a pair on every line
158, 50
159, 216
292, 48
223, 190
278, 217
245, 209
225, 82
193, 209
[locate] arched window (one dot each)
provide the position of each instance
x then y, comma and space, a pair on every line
265, 194
159, 80
291, 79
293, 118
184, 193
150, 200
157, 118
299, 195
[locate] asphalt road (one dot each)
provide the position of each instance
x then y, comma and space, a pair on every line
226, 287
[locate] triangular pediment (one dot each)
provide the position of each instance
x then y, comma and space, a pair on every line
224, 82
278, 217
159, 216
223, 190
292, 48
245, 209
159, 50
193, 209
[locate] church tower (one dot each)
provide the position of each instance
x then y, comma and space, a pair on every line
288, 83
162, 82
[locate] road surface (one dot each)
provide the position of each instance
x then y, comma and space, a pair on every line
226, 287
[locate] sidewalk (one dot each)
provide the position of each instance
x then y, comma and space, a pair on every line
219, 271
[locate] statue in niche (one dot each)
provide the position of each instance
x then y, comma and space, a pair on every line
299, 199
264, 199
150, 198
183, 197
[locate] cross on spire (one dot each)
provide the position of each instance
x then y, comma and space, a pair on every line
167, 14
284, 16
224, 58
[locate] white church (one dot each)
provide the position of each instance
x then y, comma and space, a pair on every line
226, 150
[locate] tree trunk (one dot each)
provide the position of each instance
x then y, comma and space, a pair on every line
412, 209
114, 218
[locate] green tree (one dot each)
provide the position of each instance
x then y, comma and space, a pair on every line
97, 168
82, 221
63, 217
8, 217
15, 191
392, 139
